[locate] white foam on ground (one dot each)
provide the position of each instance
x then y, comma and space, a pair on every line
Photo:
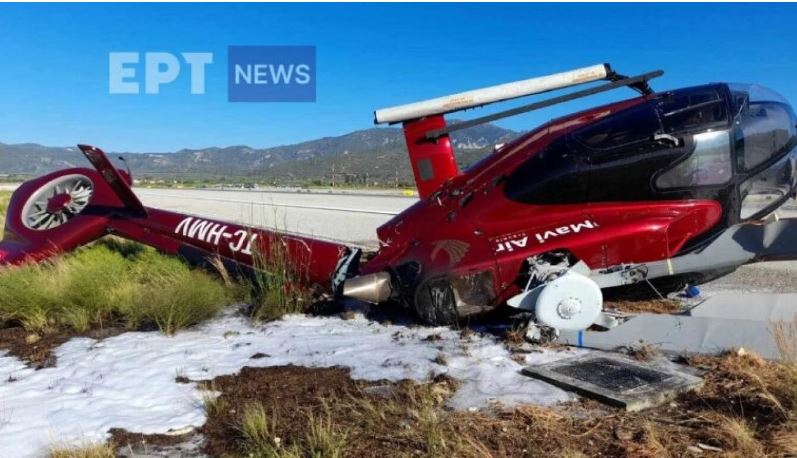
128, 381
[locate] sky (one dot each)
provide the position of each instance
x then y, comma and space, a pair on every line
54, 62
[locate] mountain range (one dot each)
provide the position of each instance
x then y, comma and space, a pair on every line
377, 155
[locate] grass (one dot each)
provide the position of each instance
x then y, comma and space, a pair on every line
745, 409
89, 450
276, 283
5, 196
257, 432
323, 438
213, 403
111, 283
115, 282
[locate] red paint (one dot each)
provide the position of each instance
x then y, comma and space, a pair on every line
310, 259
432, 161
468, 226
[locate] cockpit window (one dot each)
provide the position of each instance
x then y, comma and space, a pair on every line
709, 163
766, 125
627, 127
693, 108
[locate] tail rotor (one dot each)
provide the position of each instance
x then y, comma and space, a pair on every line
57, 202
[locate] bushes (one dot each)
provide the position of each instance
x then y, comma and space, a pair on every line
110, 283
116, 282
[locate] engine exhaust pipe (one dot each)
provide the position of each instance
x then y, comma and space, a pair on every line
373, 288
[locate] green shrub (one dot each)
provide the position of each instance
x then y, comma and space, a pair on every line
110, 283
182, 299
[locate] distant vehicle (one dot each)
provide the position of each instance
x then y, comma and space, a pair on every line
636, 198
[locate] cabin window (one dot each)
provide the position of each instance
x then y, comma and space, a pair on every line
767, 189
628, 127
552, 176
709, 163
691, 109
765, 129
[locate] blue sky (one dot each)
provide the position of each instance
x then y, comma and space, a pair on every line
54, 71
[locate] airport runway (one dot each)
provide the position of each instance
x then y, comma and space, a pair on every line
350, 217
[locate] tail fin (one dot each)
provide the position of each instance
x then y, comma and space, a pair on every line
115, 180
432, 161
428, 142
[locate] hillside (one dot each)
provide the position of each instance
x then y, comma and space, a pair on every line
378, 154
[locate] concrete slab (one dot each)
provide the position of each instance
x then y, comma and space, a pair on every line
750, 306
618, 380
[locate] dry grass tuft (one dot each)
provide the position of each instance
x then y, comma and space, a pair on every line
783, 442
737, 436
645, 352
516, 334
649, 306
213, 404
324, 438
89, 450
277, 283
257, 431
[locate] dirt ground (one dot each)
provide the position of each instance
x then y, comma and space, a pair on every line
742, 410
37, 349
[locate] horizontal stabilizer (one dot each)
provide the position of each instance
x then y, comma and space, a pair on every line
114, 179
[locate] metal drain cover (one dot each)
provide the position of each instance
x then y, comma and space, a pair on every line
618, 380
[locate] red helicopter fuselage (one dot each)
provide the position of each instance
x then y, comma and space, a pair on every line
631, 187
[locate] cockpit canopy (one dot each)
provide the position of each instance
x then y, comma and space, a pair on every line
733, 143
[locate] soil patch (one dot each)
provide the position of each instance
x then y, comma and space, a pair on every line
288, 394
37, 349
739, 412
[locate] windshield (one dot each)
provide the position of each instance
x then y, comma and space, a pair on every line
766, 125
754, 93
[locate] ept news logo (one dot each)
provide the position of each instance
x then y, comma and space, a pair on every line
254, 73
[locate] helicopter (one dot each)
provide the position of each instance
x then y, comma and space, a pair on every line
638, 198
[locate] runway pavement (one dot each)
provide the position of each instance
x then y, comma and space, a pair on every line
350, 217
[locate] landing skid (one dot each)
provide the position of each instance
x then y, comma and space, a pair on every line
757, 322
705, 329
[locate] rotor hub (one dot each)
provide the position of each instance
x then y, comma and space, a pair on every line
569, 307
58, 203
570, 302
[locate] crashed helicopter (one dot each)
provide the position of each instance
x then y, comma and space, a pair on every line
636, 198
